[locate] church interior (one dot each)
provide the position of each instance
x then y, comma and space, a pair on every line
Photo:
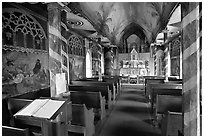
101, 69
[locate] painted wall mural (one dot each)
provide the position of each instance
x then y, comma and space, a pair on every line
76, 67
24, 52
23, 72
76, 52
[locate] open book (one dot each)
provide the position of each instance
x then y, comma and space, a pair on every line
43, 108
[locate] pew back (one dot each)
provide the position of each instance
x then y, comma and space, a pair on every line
148, 83
164, 89
155, 92
168, 103
103, 89
97, 83
90, 99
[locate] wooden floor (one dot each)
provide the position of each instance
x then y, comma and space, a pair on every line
130, 116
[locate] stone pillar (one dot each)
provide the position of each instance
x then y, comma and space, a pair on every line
191, 25
54, 33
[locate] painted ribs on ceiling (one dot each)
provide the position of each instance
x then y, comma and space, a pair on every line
116, 19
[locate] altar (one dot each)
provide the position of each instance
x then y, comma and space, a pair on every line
134, 66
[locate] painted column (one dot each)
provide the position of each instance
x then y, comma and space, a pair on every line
54, 33
109, 61
166, 55
88, 59
166, 60
159, 57
102, 61
117, 70
191, 23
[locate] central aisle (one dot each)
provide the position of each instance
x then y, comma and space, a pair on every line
130, 115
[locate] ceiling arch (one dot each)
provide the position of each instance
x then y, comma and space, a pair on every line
132, 28
114, 19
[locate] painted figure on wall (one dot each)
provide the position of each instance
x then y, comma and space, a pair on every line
23, 72
37, 67
76, 66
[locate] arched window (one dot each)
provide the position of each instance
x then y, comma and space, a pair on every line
75, 45
22, 31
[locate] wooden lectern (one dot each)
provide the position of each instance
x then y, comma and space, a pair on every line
51, 115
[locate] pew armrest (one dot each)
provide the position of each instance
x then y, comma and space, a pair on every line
109, 99
90, 122
83, 120
171, 124
103, 110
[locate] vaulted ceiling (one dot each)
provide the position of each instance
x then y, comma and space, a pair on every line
118, 20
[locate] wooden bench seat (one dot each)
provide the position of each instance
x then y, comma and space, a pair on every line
82, 120
91, 100
103, 89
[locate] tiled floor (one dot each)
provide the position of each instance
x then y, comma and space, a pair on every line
130, 115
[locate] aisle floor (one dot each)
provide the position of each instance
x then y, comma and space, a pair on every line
130, 115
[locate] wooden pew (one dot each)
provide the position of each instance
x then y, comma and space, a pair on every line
164, 89
116, 82
113, 87
152, 80
164, 104
82, 120
97, 83
8, 128
171, 124
91, 100
12, 131
6, 116
103, 89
